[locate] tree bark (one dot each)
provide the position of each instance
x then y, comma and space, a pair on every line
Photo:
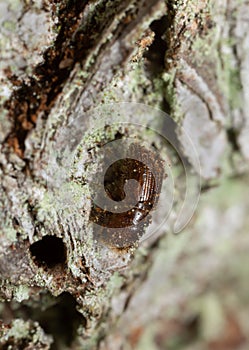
65, 69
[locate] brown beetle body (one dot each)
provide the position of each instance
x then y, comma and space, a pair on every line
122, 229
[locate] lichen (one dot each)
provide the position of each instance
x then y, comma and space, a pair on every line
25, 333
21, 293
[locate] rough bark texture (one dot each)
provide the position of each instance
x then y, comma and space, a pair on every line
62, 59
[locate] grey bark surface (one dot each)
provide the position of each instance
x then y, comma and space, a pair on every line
59, 61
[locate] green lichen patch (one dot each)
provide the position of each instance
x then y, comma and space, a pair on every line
21, 334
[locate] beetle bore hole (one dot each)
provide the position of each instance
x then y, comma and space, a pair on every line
49, 251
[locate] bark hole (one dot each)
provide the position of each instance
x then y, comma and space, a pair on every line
154, 63
49, 251
61, 321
